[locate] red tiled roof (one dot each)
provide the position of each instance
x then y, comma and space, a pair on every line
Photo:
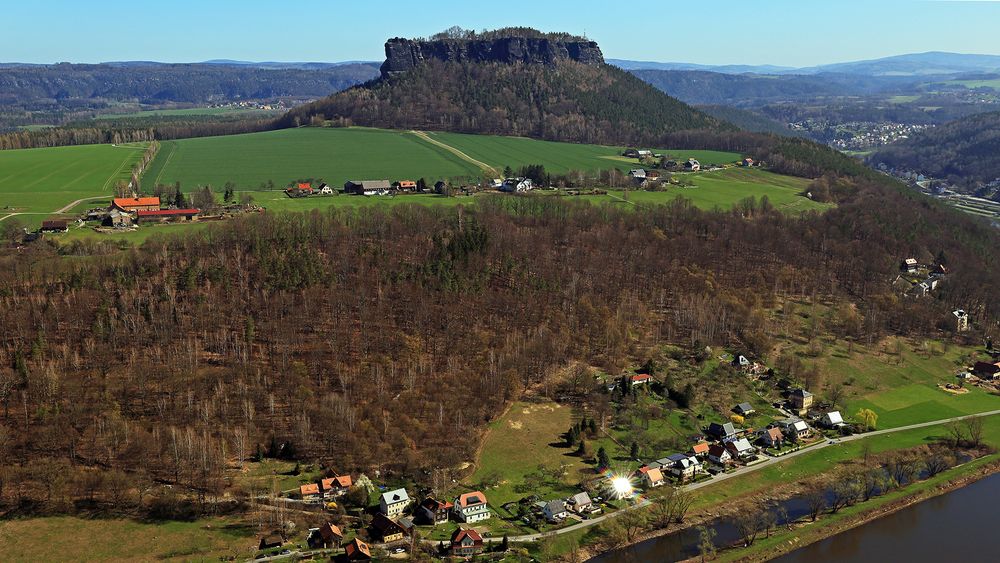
310, 489
468, 498
640, 377
330, 530
341, 481
407, 184
700, 448
356, 546
462, 533
305, 186
126, 202
168, 212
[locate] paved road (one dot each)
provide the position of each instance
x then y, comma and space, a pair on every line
749, 469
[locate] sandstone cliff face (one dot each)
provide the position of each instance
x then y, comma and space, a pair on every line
404, 54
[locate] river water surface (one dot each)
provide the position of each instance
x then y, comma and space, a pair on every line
959, 526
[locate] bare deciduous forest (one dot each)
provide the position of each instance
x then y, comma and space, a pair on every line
388, 338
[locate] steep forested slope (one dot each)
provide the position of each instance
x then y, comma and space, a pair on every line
966, 151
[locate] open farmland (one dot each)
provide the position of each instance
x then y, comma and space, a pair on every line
335, 155
338, 155
39, 181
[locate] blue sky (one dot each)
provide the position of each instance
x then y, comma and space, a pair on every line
783, 32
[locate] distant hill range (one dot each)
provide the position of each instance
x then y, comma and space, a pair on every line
913, 64
965, 152
71, 86
516, 82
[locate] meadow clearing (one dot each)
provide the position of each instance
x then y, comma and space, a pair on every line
41, 181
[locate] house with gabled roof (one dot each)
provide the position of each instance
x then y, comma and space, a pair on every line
700, 449
832, 419
724, 431
653, 477
744, 409
741, 448
555, 510
801, 400
386, 530
639, 379
327, 536
794, 427
392, 503
131, 204
335, 486
471, 507
772, 438
466, 542
433, 511
309, 491
580, 502
719, 454
357, 550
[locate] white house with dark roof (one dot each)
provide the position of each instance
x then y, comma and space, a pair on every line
555, 510
794, 427
741, 448
392, 503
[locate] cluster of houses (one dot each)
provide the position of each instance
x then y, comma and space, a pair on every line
557, 510
387, 187
127, 211
916, 280
393, 521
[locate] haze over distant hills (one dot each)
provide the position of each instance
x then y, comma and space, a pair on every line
912, 64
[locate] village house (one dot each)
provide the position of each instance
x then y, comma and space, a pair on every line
405, 186
700, 450
164, 215
302, 189
433, 511
325, 189
643, 153
581, 503
794, 427
131, 204
744, 409
335, 486
357, 550
653, 477
724, 432
832, 419
466, 543
681, 465
719, 454
801, 400
327, 536
640, 379
961, 320
271, 541
367, 187
471, 507
772, 438
392, 503
309, 491
117, 218
631, 153
407, 524
692, 165
747, 162
385, 530
909, 265
517, 185
555, 510
54, 226
741, 449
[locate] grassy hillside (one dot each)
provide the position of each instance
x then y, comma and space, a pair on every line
40, 181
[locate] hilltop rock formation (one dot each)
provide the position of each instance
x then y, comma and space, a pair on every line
402, 55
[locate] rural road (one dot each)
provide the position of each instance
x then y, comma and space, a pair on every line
67, 207
456, 152
744, 470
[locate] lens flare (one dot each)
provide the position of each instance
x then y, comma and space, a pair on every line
621, 486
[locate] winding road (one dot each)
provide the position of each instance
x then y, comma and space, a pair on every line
748, 469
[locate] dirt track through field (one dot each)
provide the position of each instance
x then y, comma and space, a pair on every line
486, 167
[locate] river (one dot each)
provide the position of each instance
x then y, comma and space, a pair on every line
956, 525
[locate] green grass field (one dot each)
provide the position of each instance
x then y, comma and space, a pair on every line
559, 158
335, 155
338, 155
81, 539
40, 181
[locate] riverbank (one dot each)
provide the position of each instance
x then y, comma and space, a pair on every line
802, 534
